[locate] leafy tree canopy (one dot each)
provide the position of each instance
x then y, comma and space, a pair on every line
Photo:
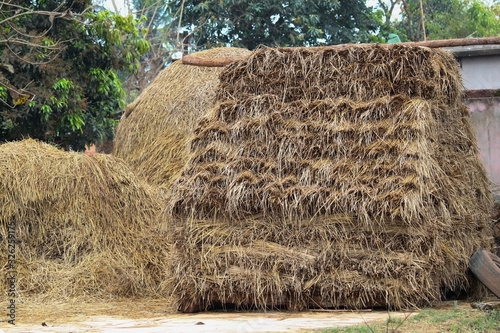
158, 19
443, 19
58, 63
246, 23
465, 18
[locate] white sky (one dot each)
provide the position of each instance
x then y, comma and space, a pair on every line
119, 3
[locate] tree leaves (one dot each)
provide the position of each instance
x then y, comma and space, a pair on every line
65, 54
292, 23
445, 19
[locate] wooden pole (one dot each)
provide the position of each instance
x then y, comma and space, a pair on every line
422, 20
180, 22
208, 62
456, 42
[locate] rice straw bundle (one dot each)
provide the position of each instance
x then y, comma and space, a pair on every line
84, 225
153, 134
333, 177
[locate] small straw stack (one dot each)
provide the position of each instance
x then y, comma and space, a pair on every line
153, 134
84, 225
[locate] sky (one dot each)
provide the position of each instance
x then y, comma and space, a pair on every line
119, 3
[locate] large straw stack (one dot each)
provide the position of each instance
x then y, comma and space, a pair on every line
152, 136
337, 177
84, 226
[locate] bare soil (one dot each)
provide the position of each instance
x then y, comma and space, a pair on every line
158, 316
153, 316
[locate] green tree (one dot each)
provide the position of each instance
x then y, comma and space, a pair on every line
383, 14
474, 18
157, 19
246, 23
58, 61
445, 19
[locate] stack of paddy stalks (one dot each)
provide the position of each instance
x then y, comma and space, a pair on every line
76, 226
152, 136
331, 177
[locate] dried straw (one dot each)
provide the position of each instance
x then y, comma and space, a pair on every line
336, 177
84, 225
152, 137
360, 73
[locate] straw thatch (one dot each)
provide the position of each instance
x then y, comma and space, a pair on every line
152, 135
339, 177
84, 225
357, 73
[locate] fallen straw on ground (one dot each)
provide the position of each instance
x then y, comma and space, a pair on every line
85, 226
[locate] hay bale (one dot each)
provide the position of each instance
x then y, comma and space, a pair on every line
152, 136
360, 73
333, 196
84, 224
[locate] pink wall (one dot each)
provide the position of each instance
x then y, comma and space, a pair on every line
485, 118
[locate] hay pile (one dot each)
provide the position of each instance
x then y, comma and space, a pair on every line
333, 177
84, 225
152, 135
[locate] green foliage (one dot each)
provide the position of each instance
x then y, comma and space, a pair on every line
435, 316
488, 323
455, 320
3, 93
461, 321
154, 12
124, 39
156, 20
382, 15
482, 20
354, 329
247, 23
445, 19
64, 86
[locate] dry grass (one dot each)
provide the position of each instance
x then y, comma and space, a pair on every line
153, 136
331, 177
85, 226
360, 73
77, 310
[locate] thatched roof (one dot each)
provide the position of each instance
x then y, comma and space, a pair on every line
331, 177
152, 135
84, 225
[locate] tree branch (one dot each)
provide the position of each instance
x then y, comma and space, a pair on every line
35, 63
115, 7
67, 14
13, 40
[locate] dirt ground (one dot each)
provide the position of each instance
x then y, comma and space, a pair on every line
157, 316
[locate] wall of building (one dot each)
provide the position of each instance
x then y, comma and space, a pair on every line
481, 72
485, 118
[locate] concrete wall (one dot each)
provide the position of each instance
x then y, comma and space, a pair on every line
481, 72
485, 118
